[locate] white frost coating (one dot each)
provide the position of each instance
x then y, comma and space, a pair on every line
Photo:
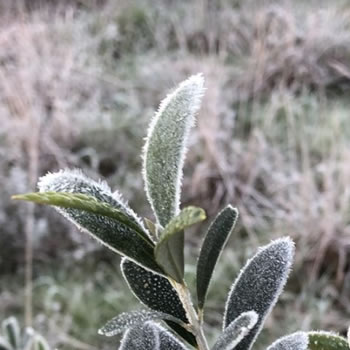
236, 331
188, 105
166, 340
295, 341
65, 179
280, 252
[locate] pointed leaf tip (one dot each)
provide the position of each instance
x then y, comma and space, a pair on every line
259, 285
213, 244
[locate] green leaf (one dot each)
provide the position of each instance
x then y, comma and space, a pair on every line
11, 330
40, 343
102, 214
214, 242
165, 147
168, 253
295, 341
259, 285
327, 341
132, 319
157, 293
236, 331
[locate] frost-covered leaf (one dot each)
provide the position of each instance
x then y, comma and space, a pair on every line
129, 238
259, 285
150, 337
132, 319
214, 242
165, 147
11, 331
144, 337
169, 255
295, 341
157, 293
327, 341
236, 331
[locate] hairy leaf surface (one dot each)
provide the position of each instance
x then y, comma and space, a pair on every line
259, 285
295, 341
213, 244
236, 331
168, 255
157, 293
327, 341
132, 319
125, 235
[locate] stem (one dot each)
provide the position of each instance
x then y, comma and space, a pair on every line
196, 325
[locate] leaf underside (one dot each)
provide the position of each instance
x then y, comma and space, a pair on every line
295, 341
327, 341
132, 319
259, 284
236, 331
157, 293
169, 250
213, 244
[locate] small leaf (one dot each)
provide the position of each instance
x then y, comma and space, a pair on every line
132, 319
295, 341
259, 285
327, 341
214, 242
11, 330
169, 255
236, 331
150, 337
157, 293
152, 228
40, 343
117, 227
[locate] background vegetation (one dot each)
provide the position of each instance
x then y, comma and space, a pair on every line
79, 82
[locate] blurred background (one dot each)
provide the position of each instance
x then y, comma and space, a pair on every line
79, 82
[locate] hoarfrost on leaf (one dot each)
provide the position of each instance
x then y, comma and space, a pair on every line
295, 341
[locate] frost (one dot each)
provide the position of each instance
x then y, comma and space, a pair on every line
132, 319
259, 285
165, 147
295, 341
236, 331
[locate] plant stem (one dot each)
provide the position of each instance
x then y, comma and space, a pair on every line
197, 328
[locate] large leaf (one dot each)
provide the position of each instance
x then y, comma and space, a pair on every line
168, 255
327, 341
236, 331
157, 293
106, 217
132, 319
259, 285
295, 341
164, 155
214, 242
150, 337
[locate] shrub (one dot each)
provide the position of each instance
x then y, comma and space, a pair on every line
153, 263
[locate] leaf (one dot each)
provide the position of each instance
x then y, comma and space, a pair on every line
11, 330
236, 331
165, 147
259, 285
214, 242
327, 341
150, 337
168, 254
40, 343
157, 293
295, 341
132, 319
105, 216
4, 344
